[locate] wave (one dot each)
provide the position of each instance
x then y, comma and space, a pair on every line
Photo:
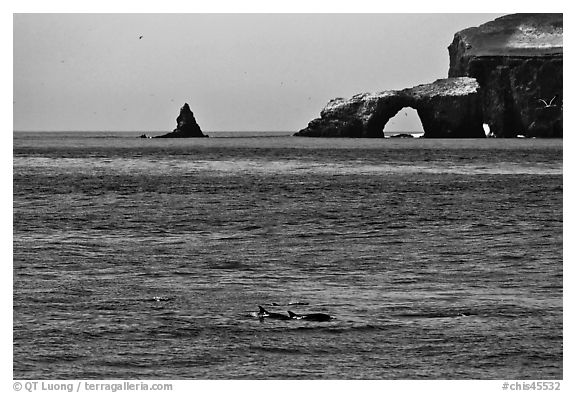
158, 166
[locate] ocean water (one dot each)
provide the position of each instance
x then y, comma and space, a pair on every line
143, 258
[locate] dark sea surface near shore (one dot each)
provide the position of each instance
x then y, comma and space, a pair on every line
144, 258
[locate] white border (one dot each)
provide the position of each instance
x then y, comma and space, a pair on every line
305, 6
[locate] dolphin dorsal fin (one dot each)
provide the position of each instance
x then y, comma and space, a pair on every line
262, 311
292, 315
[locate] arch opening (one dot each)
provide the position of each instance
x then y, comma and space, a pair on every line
405, 122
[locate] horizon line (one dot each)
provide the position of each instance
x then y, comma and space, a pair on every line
271, 131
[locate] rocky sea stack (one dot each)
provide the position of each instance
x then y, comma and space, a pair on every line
186, 126
506, 73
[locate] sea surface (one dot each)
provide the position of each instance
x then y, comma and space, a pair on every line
148, 258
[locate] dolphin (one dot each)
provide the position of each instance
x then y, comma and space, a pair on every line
318, 317
272, 315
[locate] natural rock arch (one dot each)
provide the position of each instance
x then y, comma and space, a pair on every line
447, 108
506, 73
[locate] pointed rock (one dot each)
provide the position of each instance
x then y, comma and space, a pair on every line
186, 126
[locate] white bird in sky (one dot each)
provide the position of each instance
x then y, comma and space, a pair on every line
548, 104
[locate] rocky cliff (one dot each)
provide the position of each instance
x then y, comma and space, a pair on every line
448, 108
517, 60
506, 73
186, 126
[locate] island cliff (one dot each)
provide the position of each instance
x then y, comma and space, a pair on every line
186, 126
506, 73
517, 60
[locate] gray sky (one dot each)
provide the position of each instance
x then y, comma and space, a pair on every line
245, 72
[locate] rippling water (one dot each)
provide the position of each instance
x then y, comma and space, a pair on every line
143, 258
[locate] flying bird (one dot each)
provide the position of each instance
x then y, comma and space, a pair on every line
548, 104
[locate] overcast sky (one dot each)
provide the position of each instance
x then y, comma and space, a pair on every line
245, 72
